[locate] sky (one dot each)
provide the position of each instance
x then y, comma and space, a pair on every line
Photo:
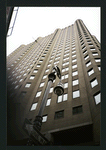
34, 22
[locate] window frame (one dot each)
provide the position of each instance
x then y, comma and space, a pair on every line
90, 71
42, 83
74, 84
45, 118
33, 106
48, 103
27, 84
93, 82
76, 94
56, 113
64, 98
76, 73
39, 92
65, 85
89, 62
77, 107
32, 78
96, 99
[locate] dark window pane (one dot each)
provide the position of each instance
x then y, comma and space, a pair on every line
22, 94
59, 114
77, 110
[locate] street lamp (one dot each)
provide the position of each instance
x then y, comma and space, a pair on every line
34, 130
59, 90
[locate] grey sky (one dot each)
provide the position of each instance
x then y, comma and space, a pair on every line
34, 22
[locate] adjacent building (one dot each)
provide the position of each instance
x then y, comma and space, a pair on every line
70, 119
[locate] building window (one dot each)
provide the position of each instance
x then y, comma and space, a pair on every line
66, 55
62, 98
89, 41
88, 63
42, 57
66, 63
92, 49
13, 71
82, 44
49, 65
90, 72
64, 77
91, 44
76, 94
97, 59
16, 86
44, 76
57, 58
74, 66
59, 114
27, 85
32, 77
23, 94
59, 99
40, 61
14, 82
73, 48
75, 82
66, 51
48, 102
21, 72
77, 110
73, 52
75, 73
24, 74
34, 106
94, 82
73, 55
99, 68
74, 60
28, 69
73, 45
66, 85
50, 60
94, 53
47, 70
97, 98
44, 118
65, 96
38, 65
42, 84
20, 80
86, 57
85, 52
65, 69
9, 76
56, 62
83, 47
35, 71
66, 58
51, 90
38, 94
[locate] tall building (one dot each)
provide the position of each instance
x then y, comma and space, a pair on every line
72, 118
